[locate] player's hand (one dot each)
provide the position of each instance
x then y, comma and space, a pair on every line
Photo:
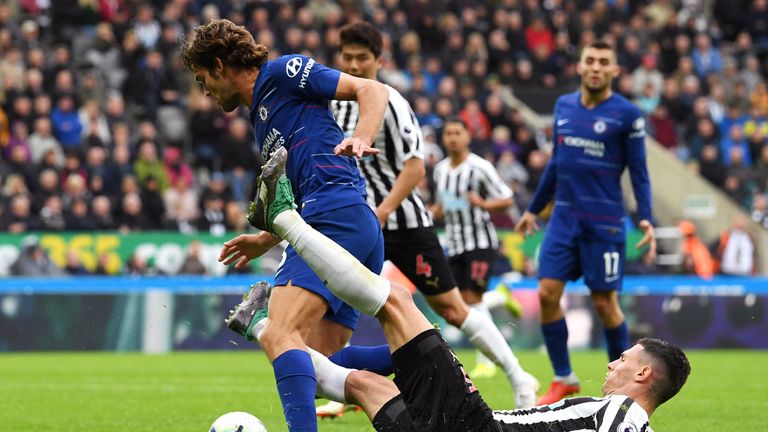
382, 215
475, 200
649, 238
245, 247
354, 147
527, 224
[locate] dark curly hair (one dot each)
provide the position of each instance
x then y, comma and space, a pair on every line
671, 364
221, 39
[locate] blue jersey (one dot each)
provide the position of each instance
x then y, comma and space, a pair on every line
290, 109
591, 149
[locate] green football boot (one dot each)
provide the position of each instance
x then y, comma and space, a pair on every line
273, 193
250, 316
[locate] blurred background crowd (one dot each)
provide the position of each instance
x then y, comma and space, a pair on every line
102, 128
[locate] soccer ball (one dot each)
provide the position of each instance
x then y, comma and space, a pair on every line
238, 422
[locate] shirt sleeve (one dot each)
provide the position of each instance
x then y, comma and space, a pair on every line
545, 191
408, 137
302, 77
495, 186
638, 169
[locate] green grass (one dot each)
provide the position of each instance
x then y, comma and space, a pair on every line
728, 390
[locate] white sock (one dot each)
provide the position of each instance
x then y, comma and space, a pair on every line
330, 377
486, 337
341, 272
483, 309
492, 299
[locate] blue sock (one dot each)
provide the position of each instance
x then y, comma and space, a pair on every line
617, 339
376, 359
296, 383
556, 339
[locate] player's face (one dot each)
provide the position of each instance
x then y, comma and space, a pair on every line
455, 137
597, 68
624, 371
359, 61
216, 85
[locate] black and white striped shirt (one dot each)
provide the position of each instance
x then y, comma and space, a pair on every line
398, 140
468, 228
584, 414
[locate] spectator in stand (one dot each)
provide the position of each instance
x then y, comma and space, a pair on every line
51, 215
149, 165
42, 140
735, 140
663, 128
648, 73
132, 217
192, 262
176, 168
238, 160
212, 219
101, 217
696, 257
152, 202
34, 261
66, 124
706, 58
74, 266
18, 218
710, 165
206, 128
77, 216
74, 189
736, 250
47, 186
759, 211
216, 187
181, 206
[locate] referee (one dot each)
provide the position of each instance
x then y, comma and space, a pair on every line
410, 241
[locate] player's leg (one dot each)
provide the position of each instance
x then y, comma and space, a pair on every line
604, 281
558, 262
471, 271
293, 311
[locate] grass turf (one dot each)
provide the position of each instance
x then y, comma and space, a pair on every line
728, 390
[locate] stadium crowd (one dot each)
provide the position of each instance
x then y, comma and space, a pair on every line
101, 128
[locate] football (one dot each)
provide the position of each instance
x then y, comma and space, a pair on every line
238, 422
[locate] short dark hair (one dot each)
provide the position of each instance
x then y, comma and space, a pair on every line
222, 39
600, 44
455, 120
362, 33
674, 368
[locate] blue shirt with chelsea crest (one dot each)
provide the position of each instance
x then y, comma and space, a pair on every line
290, 109
591, 149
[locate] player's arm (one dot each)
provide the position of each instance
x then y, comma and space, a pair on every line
545, 190
641, 184
245, 247
491, 205
408, 147
437, 208
499, 196
371, 97
413, 172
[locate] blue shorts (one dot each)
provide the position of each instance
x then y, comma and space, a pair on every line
565, 256
356, 229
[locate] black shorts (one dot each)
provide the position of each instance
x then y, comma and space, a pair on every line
473, 269
436, 390
418, 254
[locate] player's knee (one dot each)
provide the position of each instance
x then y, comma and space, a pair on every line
399, 295
548, 299
605, 306
273, 334
455, 314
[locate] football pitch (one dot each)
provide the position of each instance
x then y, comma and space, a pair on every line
727, 390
